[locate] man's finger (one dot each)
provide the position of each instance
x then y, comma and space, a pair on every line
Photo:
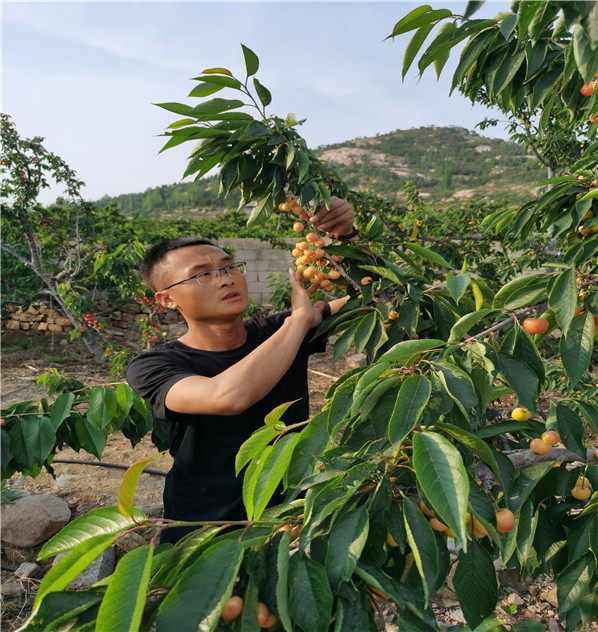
312, 289
329, 222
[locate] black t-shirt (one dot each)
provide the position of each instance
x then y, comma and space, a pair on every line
202, 484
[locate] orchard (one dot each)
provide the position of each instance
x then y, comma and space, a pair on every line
457, 450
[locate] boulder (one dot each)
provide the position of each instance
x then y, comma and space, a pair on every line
101, 567
33, 519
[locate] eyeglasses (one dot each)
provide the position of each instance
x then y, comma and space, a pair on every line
205, 277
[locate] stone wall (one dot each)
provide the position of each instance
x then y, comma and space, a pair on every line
262, 260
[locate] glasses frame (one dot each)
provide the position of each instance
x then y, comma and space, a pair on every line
220, 270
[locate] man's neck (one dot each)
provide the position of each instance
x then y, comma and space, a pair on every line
210, 336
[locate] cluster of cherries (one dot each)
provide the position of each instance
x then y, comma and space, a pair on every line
313, 262
92, 322
234, 607
582, 489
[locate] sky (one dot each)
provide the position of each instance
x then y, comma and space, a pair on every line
84, 75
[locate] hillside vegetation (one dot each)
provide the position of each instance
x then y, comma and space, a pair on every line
449, 164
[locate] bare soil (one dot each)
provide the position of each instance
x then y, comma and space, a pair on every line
86, 487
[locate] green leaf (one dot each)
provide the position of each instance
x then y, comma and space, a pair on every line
574, 582
272, 419
475, 444
252, 63
198, 597
247, 620
253, 446
457, 285
32, 439
402, 351
90, 438
302, 164
472, 7
125, 397
570, 429
126, 493
59, 608
122, 606
576, 346
204, 89
311, 443
507, 71
410, 403
465, 323
215, 106
310, 599
61, 409
103, 521
563, 298
344, 341
216, 71
177, 108
103, 407
520, 292
348, 536
520, 378
366, 383
423, 545
282, 581
271, 472
364, 331
475, 583
428, 255
384, 273
260, 210
458, 385
63, 572
442, 476
262, 92
418, 17
414, 46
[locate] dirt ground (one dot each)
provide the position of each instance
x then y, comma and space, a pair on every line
85, 487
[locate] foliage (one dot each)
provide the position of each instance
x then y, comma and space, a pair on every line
440, 160
419, 429
79, 417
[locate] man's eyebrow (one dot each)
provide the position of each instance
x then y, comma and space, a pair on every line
198, 266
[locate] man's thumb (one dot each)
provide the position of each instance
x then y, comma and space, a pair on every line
320, 305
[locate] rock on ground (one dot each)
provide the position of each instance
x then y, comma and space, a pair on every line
33, 519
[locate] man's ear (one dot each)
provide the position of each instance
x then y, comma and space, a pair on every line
163, 298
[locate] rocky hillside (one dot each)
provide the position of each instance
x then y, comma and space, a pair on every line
448, 164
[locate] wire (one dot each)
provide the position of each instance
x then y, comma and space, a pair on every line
115, 466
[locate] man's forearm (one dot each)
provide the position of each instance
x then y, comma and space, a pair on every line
253, 377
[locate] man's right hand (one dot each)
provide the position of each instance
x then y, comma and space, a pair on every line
301, 306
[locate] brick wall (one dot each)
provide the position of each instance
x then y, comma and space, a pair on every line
262, 260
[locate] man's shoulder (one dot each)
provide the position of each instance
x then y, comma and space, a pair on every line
165, 353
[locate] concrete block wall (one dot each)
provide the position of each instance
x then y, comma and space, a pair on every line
262, 259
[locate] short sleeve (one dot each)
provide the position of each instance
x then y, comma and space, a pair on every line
152, 374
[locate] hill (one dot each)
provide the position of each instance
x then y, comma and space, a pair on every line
448, 165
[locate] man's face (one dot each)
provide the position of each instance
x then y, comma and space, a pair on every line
206, 301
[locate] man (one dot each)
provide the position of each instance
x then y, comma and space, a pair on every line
213, 386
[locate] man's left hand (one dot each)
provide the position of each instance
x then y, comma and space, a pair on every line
337, 220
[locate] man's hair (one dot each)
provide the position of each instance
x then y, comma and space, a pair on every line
158, 251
